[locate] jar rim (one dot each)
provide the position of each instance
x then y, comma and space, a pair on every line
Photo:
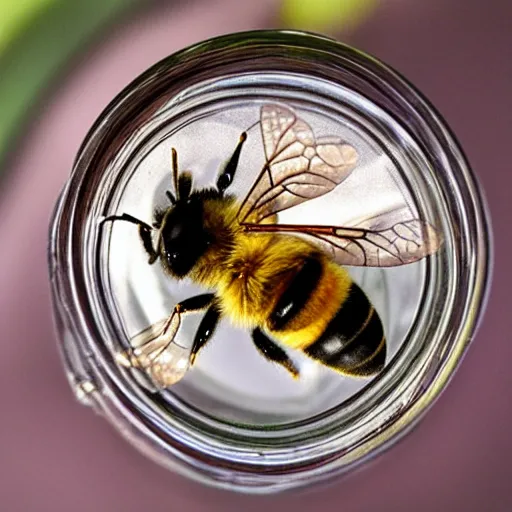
302, 456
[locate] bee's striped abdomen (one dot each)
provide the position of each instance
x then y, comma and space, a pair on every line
353, 342
296, 295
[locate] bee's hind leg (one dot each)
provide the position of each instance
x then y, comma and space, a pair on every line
194, 304
205, 330
190, 305
272, 352
146, 355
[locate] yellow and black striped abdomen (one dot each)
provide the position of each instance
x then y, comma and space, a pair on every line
323, 313
354, 342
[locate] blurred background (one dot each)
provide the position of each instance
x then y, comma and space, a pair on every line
61, 62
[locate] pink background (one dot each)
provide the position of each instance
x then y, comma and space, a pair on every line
56, 455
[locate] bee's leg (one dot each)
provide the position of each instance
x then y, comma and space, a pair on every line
205, 330
145, 354
272, 352
192, 305
144, 233
226, 176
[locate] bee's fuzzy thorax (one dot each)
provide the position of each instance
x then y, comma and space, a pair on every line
249, 271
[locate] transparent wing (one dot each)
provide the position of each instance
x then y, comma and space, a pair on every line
155, 352
398, 244
298, 167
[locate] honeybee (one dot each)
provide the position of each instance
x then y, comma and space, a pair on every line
285, 283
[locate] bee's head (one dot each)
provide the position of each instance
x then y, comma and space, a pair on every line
182, 239
181, 235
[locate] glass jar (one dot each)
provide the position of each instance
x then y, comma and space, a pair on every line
236, 421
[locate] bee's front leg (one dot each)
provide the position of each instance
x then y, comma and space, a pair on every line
228, 173
144, 233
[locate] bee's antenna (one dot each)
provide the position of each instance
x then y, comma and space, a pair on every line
257, 123
175, 173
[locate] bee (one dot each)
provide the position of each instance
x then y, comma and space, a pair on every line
285, 283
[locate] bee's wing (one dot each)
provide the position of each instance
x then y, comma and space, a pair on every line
398, 244
158, 356
298, 167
